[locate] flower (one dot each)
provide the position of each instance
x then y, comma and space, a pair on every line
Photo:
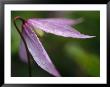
57, 26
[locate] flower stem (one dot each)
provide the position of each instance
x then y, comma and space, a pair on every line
27, 51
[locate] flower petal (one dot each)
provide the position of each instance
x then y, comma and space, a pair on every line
37, 51
22, 52
62, 21
57, 29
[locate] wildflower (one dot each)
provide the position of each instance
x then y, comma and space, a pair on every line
57, 26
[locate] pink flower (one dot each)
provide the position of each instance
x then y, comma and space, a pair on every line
57, 26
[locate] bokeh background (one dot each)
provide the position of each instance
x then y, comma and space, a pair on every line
72, 57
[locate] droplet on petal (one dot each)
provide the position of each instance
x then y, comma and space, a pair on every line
56, 28
38, 52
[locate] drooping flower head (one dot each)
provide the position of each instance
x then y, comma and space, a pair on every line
56, 26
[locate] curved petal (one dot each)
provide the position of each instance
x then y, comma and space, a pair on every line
57, 29
37, 51
22, 52
62, 21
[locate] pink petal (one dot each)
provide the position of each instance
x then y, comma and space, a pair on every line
22, 52
37, 51
57, 29
62, 21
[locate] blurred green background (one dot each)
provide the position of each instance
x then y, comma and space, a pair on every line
72, 57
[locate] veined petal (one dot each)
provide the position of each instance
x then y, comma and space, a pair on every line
37, 51
62, 21
22, 52
57, 29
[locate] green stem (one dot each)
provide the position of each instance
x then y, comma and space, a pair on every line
27, 51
